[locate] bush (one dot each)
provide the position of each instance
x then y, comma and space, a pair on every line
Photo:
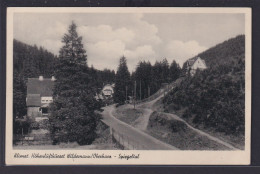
177, 126
22, 125
35, 125
44, 124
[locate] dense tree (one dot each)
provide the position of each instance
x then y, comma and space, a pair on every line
19, 95
150, 78
157, 76
174, 71
72, 49
122, 81
73, 117
165, 71
143, 77
215, 97
31, 61
105, 77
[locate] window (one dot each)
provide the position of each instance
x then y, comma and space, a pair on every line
44, 111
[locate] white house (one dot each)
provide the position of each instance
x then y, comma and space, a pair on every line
108, 90
194, 64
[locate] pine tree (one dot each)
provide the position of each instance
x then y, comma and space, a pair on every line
143, 77
30, 69
165, 71
73, 117
175, 71
122, 81
73, 48
19, 95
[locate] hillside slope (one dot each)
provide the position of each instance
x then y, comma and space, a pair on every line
215, 98
229, 52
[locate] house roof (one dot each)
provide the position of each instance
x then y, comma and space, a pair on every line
33, 100
42, 87
191, 61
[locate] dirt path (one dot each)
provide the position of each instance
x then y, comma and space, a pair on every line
142, 122
201, 132
150, 106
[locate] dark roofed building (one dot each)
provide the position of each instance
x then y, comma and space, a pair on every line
33, 100
41, 86
39, 96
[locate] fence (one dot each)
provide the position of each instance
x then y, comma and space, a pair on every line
32, 139
125, 142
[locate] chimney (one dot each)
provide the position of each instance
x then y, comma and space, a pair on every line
53, 78
41, 78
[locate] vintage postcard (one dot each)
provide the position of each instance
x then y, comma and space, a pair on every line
132, 86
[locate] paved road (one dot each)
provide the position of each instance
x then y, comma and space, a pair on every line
136, 136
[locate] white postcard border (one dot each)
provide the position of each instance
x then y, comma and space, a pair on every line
150, 157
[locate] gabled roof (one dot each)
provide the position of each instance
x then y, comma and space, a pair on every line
191, 61
42, 87
33, 100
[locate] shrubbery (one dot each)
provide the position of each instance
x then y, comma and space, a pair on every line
215, 97
22, 126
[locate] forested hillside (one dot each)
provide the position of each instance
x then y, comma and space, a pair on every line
214, 98
224, 53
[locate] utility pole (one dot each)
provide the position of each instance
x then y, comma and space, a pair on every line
125, 93
148, 91
22, 136
134, 94
140, 91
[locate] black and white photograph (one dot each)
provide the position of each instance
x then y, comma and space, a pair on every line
128, 84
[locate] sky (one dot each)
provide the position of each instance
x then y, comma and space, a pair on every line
137, 36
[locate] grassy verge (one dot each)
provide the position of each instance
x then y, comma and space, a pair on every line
104, 139
176, 133
128, 114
